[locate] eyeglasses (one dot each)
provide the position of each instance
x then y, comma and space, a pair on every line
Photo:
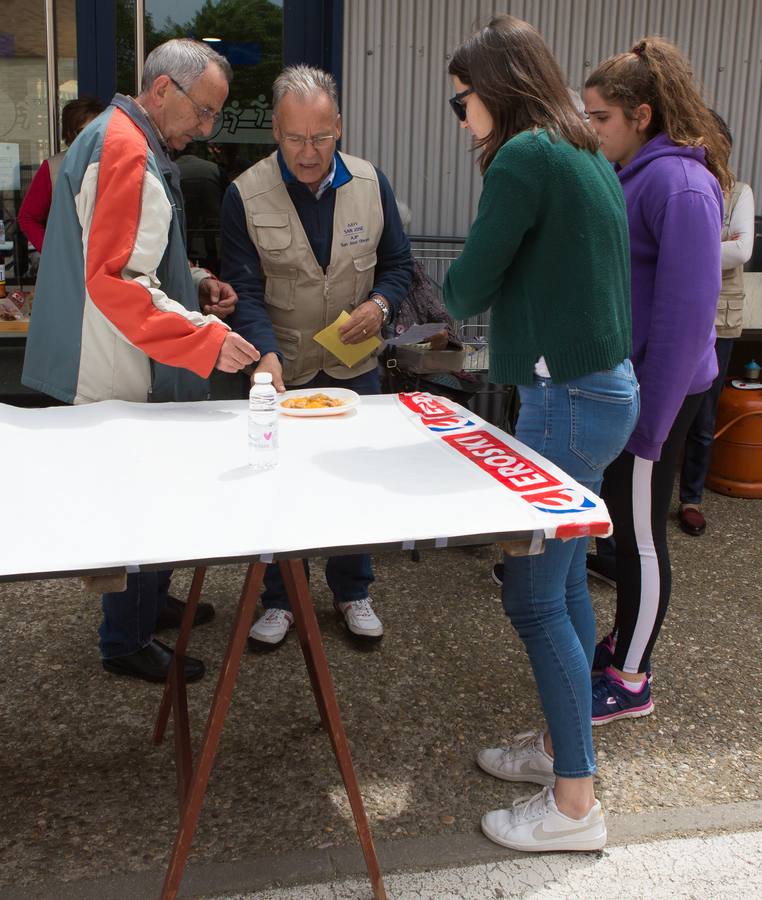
457, 104
297, 142
204, 113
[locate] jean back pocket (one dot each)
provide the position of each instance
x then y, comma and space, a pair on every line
603, 416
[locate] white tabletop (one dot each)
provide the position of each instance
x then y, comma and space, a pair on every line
95, 487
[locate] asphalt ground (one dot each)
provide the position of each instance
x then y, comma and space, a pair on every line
87, 803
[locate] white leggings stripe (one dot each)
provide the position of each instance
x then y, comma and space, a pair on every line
650, 584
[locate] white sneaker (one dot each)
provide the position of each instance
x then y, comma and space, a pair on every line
270, 629
360, 619
524, 760
535, 824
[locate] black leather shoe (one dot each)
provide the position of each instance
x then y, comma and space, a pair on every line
172, 614
152, 664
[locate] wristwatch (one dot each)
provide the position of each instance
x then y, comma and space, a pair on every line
383, 306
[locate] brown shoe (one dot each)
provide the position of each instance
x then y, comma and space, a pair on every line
691, 520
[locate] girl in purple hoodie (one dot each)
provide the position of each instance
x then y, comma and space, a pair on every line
671, 162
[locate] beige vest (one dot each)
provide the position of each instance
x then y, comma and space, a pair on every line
729, 320
300, 297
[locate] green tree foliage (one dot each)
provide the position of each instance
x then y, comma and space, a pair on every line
257, 22
239, 21
125, 44
235, 21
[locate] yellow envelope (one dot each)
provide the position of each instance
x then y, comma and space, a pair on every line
349, 354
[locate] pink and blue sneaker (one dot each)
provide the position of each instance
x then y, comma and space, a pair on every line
604, 657
604, 654
613, 700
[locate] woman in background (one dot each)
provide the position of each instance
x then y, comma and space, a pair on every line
671, 161
33, 212
736, 249
548, 256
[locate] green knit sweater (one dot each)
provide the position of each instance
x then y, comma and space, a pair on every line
549, 255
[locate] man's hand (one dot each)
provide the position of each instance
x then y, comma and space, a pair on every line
216, 298
270, 363
235, 353
365, 322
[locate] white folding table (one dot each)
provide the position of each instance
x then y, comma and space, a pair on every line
117, 485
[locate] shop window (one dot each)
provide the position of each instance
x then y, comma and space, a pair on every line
249, 33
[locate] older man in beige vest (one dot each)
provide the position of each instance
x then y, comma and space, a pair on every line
308, 233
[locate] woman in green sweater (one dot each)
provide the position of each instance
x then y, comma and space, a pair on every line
548, 255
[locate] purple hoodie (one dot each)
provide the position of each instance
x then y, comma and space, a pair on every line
674, 209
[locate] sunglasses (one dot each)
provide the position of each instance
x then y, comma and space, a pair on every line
458, 106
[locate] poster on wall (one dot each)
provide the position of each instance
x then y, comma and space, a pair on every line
10, 171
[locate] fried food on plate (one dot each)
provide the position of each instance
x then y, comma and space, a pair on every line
312, 401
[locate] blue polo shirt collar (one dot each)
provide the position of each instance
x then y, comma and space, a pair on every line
341, 176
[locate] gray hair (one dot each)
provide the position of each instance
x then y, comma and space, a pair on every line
305, 82
184, 60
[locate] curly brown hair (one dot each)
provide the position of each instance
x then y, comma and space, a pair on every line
655, 72
511, 68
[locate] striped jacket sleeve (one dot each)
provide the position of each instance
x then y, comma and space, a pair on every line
125, 216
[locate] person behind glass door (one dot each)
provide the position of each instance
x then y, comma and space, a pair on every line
671, 161
203, 185
33, 212
547, 254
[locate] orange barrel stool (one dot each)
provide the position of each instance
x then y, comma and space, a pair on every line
736, 467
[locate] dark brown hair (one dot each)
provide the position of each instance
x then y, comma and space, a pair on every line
656, 72
515, 75
76, 114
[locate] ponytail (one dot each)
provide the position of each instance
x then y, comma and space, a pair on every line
656, 72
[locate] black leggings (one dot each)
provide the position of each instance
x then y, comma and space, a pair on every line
638, 493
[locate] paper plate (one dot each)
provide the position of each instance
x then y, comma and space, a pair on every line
747, 385
350, 398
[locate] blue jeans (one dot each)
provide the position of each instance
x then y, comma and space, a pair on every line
129, 617
348, 577
698, 444
581, 426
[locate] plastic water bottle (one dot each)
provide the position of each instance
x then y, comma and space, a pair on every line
263, 423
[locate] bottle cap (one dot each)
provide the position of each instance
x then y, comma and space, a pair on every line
263, 378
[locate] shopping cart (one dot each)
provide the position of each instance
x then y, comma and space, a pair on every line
436, 254
474, 333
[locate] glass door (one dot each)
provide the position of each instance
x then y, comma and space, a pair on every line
249, 34
25, 119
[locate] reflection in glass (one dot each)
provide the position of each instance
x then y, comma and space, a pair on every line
125, 47
24, 139
249, 34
